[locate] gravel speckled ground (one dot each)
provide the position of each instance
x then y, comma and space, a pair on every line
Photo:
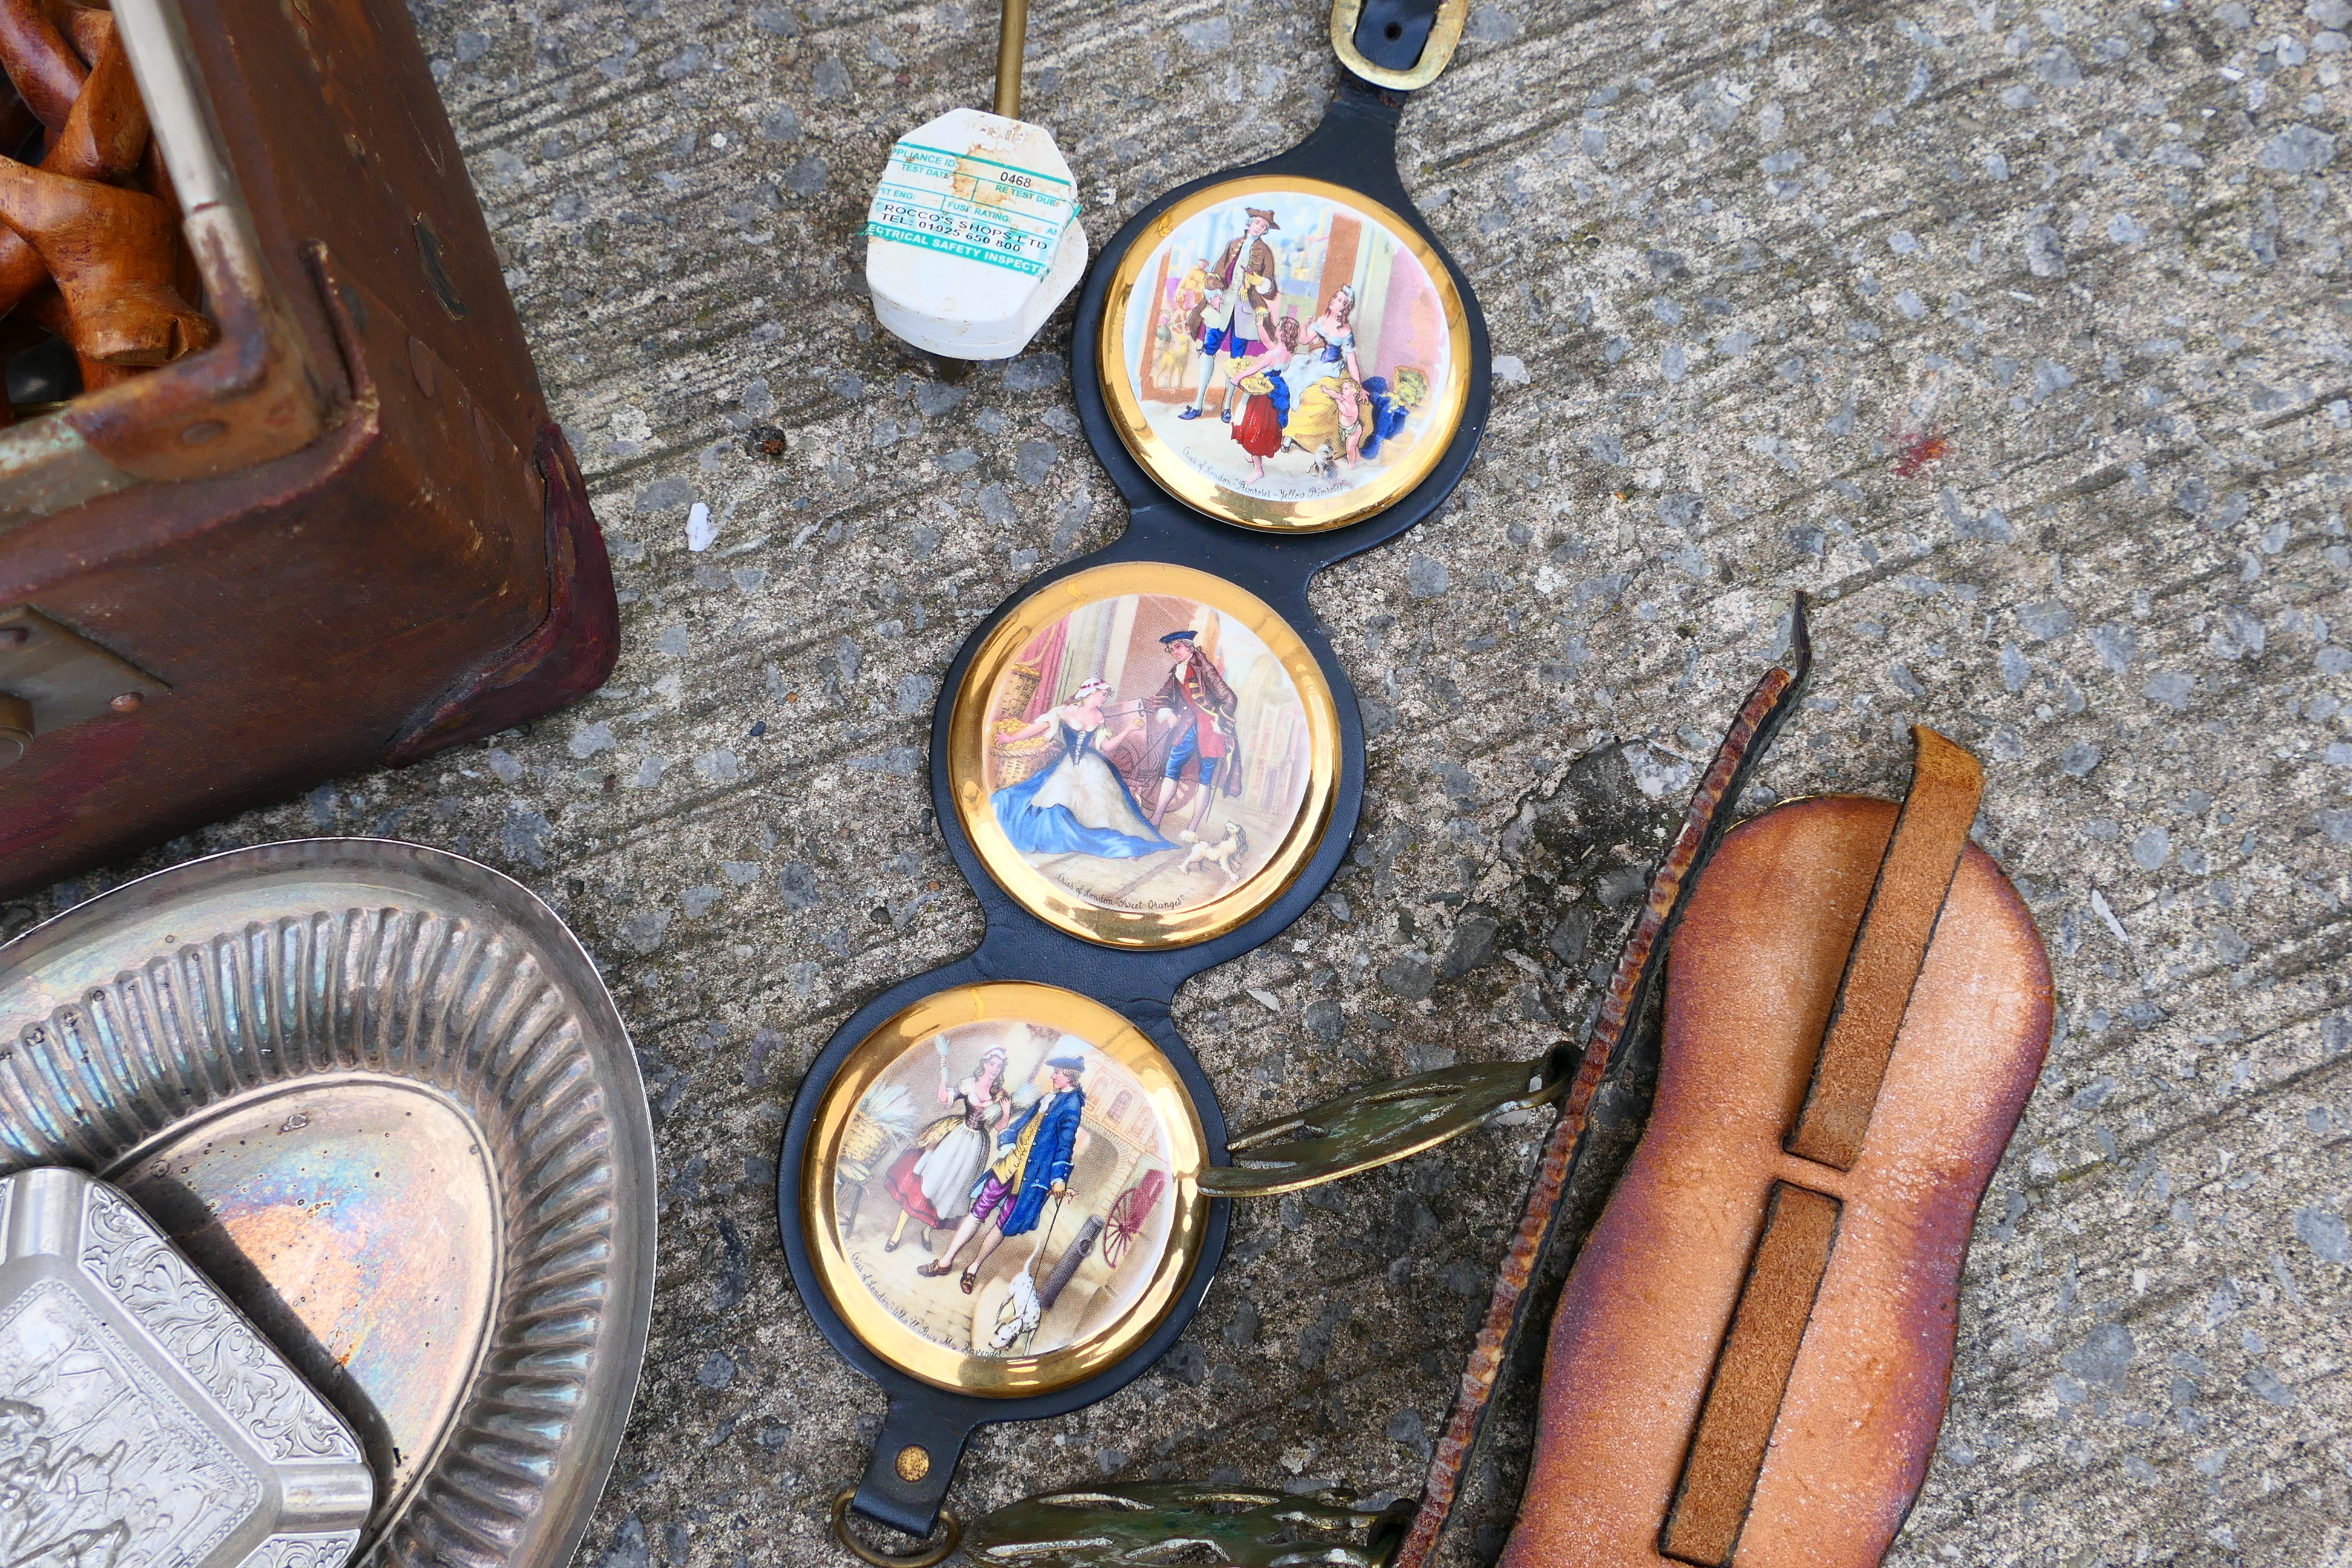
1742, 263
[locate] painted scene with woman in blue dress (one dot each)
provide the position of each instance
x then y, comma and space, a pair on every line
1077, 804
1147, 752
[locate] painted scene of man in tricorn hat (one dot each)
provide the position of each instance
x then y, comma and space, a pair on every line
1003, 1188
1147, 752
1287, 346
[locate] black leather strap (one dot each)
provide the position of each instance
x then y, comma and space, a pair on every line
908, 1499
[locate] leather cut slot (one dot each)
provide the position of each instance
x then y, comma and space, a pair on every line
1914, 877
1752, 1375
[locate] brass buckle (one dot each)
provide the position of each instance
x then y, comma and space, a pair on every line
1453, 16
922, 1556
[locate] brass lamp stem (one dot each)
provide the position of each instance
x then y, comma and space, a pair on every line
1011, 34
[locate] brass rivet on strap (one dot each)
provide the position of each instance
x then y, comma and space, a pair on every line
914, 1462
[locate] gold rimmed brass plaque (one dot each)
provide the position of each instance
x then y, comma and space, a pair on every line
1284, 353
1144, 754
1003, 1186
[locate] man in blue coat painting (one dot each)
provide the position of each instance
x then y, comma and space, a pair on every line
1032, 1164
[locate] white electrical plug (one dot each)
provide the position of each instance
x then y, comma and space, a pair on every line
974, 236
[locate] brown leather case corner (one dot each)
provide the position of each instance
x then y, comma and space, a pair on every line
350, 534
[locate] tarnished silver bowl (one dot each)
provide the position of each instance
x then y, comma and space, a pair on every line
379, 1095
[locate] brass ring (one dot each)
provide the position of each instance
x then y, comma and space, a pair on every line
921, 1557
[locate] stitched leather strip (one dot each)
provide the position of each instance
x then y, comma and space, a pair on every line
1896, 926
1743, 1400
1519, 1296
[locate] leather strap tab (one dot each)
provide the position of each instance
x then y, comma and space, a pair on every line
913, 1460
1397, 45
1743, 1399
1392, 34
1914, 878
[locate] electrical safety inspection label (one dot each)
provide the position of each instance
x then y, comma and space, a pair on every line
971, 206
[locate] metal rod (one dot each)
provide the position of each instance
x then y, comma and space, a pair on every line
1055, 1218
1011, 34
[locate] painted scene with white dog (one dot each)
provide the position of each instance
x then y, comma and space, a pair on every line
1004, 1188
1147, 752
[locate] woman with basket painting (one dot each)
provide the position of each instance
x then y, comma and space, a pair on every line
933, 1179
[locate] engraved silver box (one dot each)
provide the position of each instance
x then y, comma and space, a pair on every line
143, 1422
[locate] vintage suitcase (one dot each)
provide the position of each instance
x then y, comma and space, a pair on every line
349, 533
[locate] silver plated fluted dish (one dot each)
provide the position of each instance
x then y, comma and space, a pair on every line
379, 1095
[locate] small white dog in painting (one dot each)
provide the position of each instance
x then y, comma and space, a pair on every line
1020, 1312
1226, 853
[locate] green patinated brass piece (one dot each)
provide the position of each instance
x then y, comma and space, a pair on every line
1149, 1526
1376, 1124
